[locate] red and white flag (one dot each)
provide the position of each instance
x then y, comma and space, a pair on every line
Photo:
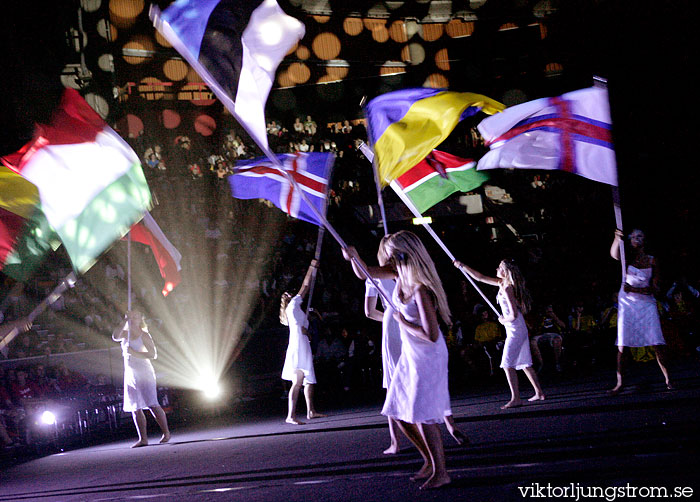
167, 256
572, 132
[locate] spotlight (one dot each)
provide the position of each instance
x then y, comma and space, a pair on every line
48, 418
212, 392
209, 386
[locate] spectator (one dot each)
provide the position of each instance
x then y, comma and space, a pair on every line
487, 336
71, 383
310, 126
582, 334
549, 331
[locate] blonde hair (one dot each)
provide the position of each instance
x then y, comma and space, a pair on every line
284, 301
414, 266
383, 257
514, 277
143, 325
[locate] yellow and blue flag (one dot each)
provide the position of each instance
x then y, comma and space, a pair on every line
405, 126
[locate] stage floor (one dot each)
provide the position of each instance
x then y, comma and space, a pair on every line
579, 437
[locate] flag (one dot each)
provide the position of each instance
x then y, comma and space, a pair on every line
167, 256
260, 179
436, 177
25, 235
89, 182
571, 132
235, 46
405, 126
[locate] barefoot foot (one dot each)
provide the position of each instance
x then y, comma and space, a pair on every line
392, 450
294, 421
512, 404
615, 390
315, 414
436, 482
460, 438
139, 444
165, 438
537, 397
424, 473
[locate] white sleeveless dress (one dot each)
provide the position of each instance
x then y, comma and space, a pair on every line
391, 337
139, 379
638, 323
418, 392
299, 355
516, 351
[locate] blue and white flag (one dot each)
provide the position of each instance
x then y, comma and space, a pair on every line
261, 179
571, 132
236, 47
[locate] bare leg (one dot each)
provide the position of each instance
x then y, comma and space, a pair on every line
512, 377
661, 359
433, 440
140, 422
6, 439
310, 408
536, 354
394, 445
460, 438
293, 397
413, 434
532, 376
618, 385
162, 420
556, 346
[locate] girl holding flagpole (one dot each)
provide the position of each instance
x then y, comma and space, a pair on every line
139, 376
514, 300
391, 345
418, 394
638, 323
299, 361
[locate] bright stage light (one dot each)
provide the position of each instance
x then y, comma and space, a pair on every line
48, 418
210, 387
212, 392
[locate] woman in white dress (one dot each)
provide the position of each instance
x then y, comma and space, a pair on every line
391, 344
638, 323
418, 394
299, 361
139, 376
514, 300
391, 338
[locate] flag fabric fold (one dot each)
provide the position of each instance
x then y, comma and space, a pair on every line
235, 46
167, 256
571, 132
89, 183
260, 179
437, 177
25, 235
405, 126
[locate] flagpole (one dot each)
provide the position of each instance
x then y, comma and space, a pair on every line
317, 257
618, 224
67, 282
128, 282
367, 151
602, 83
437, 238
